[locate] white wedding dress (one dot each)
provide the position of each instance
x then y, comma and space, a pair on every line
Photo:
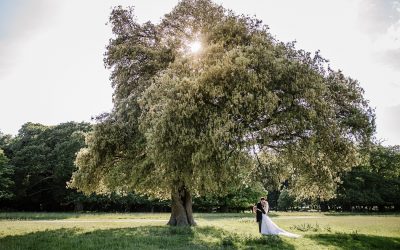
269, 227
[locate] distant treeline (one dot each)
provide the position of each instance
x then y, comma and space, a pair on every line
36, 164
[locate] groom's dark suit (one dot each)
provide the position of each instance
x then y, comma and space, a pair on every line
259, 212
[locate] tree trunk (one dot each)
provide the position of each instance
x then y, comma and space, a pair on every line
181, 208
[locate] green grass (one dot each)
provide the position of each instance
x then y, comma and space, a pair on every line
214, 231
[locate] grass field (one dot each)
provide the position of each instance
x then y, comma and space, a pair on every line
214, 231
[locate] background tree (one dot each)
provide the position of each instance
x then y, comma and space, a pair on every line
6, 171
6, 181
5, 139
285, 201
236, 200
187, 124
376, 183
42, 158
114, 202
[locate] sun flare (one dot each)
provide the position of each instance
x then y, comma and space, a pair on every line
195, 46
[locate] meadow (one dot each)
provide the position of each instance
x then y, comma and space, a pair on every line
214, 231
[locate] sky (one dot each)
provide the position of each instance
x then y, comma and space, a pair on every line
51, 52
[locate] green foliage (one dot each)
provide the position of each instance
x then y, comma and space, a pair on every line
375, 184
42, 158
6, 181
116, 202
202, 121
4, 139
385, 161
285, 200
239, 199
272, 170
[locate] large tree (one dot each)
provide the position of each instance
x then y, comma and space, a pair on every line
189, 123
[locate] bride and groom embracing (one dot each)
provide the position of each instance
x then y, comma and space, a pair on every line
265, 224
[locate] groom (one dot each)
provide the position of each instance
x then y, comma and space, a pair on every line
259, 211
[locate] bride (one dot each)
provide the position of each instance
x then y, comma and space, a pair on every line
269, 227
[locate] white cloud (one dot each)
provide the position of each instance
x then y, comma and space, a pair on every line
380, 22
376, 16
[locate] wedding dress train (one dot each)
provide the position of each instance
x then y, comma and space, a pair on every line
269, 227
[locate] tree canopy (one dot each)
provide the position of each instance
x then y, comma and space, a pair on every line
41, 161
6, 181
375, 183
186, 123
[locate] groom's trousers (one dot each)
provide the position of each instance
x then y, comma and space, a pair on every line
259, 226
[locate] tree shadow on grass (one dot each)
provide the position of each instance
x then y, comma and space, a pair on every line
143, 237
356, 241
